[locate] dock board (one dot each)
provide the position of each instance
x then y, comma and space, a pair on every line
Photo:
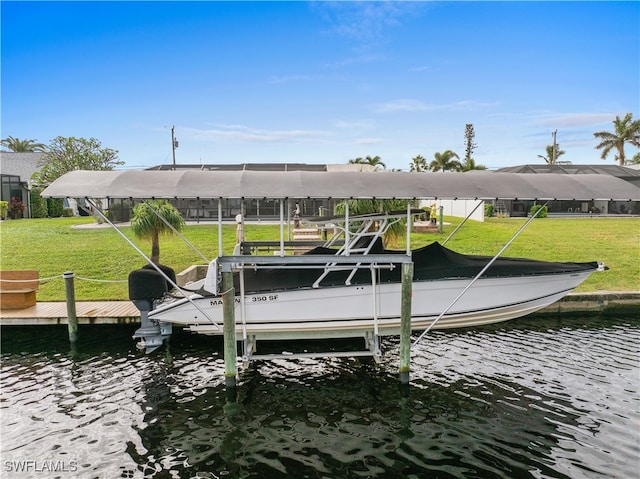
88, 312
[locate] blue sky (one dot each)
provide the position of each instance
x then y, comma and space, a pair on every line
318, 82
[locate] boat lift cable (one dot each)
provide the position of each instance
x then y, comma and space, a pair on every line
148, 260
472, 282
180, 235
463, 222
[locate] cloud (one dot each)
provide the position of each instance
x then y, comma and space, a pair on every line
365, 21
419, 105
251, 135
401, 105
572, 120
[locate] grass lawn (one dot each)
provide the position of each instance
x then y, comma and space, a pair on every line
52, 246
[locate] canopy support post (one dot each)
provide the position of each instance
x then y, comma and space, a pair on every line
219, 226
281, 227
229, 328
405, 322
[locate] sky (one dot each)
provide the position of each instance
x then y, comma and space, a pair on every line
320, 82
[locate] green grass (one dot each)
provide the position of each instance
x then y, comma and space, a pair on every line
52, 246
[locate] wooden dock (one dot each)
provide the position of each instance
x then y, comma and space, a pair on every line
88, 312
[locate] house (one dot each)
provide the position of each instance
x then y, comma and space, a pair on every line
15, 174
521, 208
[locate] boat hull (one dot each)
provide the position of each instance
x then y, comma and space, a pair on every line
349, 311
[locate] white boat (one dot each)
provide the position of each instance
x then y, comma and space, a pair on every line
315, 296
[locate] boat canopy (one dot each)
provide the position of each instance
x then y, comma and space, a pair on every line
250, 184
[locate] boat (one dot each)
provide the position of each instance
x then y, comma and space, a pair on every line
316, 296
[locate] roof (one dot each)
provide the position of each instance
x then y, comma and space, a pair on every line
339, 184
266, 167
613, 170
19, 164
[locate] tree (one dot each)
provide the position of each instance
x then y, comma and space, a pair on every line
418, 164
470, 144
147, 225
635, 160
552, 156
626, 130
69, 154
445, 162
374, 161
470, 164
21, 146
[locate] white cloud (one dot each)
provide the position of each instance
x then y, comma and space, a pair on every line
419, 105
251, 135
401, 105
571, 120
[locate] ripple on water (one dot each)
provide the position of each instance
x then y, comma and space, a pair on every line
523, 399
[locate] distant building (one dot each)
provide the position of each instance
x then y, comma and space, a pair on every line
253, 209
15, 176
521, 208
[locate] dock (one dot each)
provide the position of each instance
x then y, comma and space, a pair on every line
124, 312
88, 312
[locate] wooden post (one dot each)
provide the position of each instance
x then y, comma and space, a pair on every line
72, 318
229, 328
405, 323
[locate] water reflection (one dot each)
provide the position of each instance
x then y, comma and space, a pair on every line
544, 398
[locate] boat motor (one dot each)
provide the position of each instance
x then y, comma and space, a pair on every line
146, 286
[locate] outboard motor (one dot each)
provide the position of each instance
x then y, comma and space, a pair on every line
146, 285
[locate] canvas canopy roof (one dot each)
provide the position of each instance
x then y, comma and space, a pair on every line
339, 185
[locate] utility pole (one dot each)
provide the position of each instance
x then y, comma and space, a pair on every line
174, 145
553, 155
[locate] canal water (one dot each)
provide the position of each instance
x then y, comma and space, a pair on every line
531, 398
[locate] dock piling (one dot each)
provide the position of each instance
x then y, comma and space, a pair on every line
229, 328
405, 323
72, 318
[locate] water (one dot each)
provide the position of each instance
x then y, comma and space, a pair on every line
531, 398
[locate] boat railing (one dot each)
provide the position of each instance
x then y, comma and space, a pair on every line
360, 243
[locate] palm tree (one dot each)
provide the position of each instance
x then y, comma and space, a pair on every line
626, 130
552, 157
418, 164
375, 161
146, 224
21, 146
445, 162
470, 164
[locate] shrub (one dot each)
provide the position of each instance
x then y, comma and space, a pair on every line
542, 214
55, 207
488, 210
4, 209
38, 204
67, 212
